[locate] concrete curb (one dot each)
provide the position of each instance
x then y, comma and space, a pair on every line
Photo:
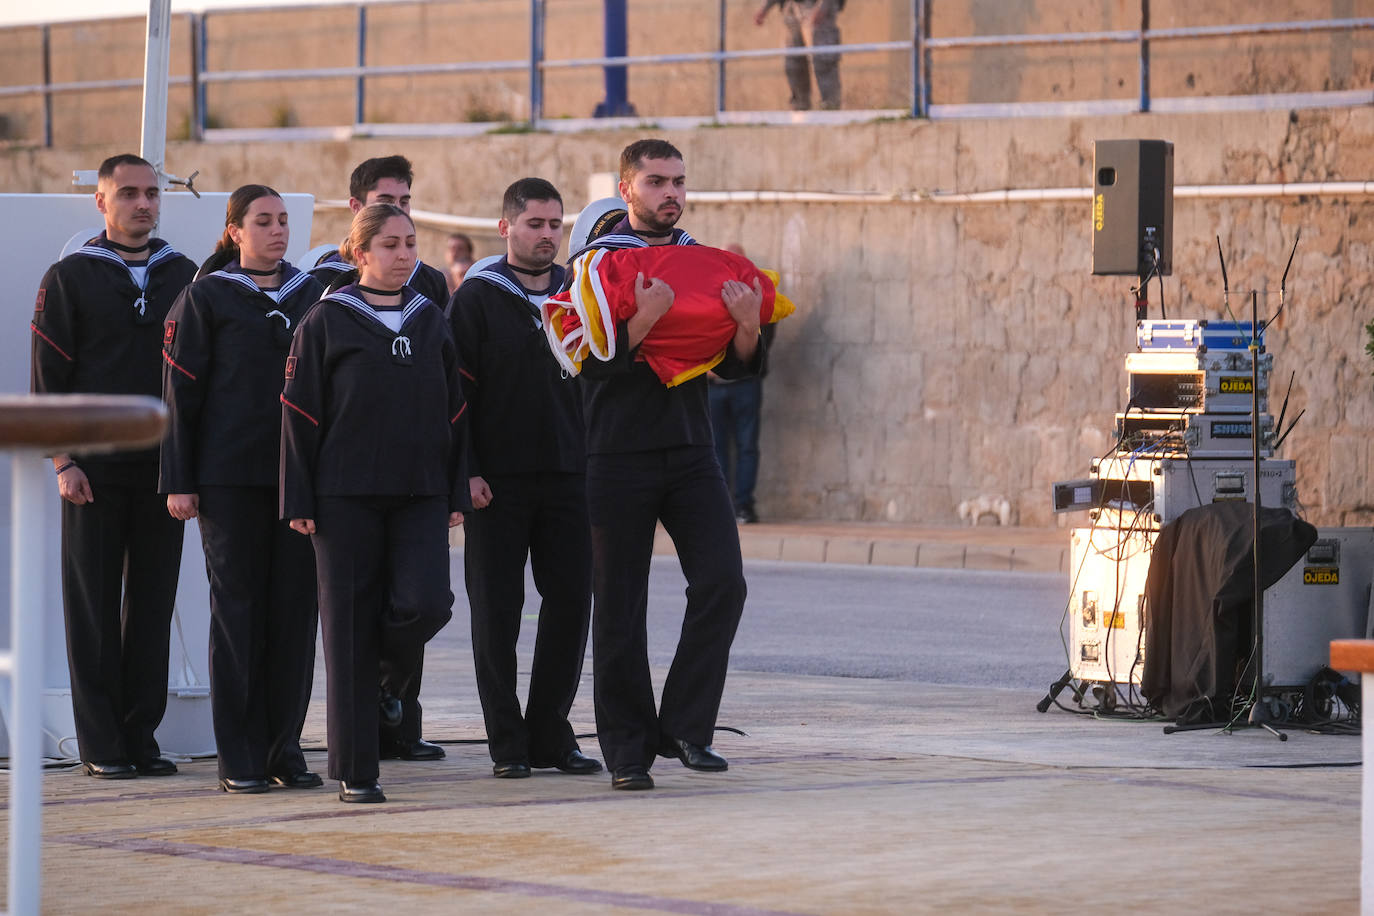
1022, 550
858, 544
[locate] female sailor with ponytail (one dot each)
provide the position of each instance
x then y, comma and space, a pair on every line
225, 344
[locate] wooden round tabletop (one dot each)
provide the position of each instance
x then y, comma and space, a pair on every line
1352, 654
56, 423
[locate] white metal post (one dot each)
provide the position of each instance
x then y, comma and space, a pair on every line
28, 561
155, 64
1367, 796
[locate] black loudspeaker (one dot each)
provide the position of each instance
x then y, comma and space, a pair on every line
1133, 207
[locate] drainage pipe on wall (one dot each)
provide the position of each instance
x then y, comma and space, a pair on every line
1004, 196
429, 218
1028, 195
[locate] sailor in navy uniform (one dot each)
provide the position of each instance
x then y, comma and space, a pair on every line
97, 328
373, 422
387, 180
224, 349
382, 180
526, 472
335, 273
650, 458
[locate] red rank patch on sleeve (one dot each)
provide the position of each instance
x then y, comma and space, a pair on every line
38, 304
290, 367
169, 333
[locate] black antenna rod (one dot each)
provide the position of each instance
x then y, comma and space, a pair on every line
1284, 409
1225, 285
1283, 284
1290, 429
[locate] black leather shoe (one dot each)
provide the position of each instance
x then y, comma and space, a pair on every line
155, 766
301, 779
693, 756
419, 749
361, 792
632, 778
574, 762
253, 785
389, 710
511, 769
110, 769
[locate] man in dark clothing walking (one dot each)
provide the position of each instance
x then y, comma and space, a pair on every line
649, 459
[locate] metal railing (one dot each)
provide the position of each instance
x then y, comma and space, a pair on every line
921, 49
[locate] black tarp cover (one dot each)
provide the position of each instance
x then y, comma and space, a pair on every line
1199, 593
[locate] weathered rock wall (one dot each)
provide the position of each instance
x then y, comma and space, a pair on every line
947, 351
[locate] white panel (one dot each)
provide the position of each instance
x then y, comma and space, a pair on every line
44, 223
1107, 579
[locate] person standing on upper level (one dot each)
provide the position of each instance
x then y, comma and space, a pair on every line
809, 23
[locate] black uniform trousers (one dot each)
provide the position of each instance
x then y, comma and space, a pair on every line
121, 555
542, 516
403, 682
263, 619
626, 494
384, 591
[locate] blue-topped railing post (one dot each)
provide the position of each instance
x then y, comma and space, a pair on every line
196, 120
203, 103
1144, 55
920, 59
720, 61
536, 62
360, 102
47, 86
614, 28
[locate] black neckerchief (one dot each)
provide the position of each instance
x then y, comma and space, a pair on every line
529, 273
125, 248
512, 273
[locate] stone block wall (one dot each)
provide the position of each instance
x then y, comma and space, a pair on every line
941, 351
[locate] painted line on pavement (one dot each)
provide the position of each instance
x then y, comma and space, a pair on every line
396, 875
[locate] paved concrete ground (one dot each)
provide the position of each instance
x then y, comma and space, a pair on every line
846, 795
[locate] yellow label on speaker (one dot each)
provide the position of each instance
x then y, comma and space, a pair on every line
1236, 384
1321, 575
1099, 220
1116, 620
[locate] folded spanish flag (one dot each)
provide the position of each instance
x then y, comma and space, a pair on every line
687, 341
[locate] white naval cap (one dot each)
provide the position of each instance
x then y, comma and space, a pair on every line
594, 221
